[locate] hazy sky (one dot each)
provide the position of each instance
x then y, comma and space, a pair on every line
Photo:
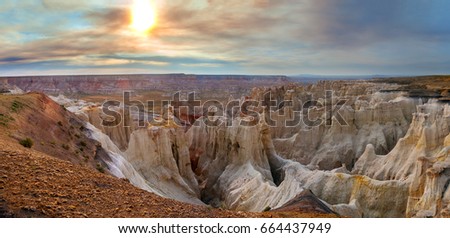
226, 37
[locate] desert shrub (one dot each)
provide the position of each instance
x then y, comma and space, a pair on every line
4, 120
82, 143
60, 123
16, 106
65, 146
28, 143
100, 168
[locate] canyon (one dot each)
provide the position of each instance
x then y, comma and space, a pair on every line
355, 148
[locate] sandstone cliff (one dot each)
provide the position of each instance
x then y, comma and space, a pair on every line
421, 159
366, 117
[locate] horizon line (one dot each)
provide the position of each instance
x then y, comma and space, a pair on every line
245, 75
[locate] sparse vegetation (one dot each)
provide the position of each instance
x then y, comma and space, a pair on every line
4, 120
16, 106
223, 206
100, 168
28, 142
60, 123
82, 143
65, 146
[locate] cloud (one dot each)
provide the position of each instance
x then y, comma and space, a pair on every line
202, 65
111, 19
65, 5
355, 23
12, 59
255, 36
79, 5
228, 24
175, 60
112, 61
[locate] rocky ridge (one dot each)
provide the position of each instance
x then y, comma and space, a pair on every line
239, 167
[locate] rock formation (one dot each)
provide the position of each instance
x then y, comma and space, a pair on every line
251, 168
116, 84
238, 168
153, 158
367, 117
421, 159
6, 88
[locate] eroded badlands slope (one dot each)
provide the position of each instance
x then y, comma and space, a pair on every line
40, 182
254, 168
36, 185
389, 159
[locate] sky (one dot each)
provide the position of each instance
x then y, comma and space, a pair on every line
277, 37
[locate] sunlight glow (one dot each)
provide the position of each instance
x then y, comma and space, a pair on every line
143, 15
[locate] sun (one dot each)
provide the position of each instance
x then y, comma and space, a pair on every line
143, 15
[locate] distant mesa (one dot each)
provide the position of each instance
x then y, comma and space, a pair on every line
112, 84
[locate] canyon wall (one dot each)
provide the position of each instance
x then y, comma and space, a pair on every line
253, 168
350, 115
238, 168
116, 84
421, 158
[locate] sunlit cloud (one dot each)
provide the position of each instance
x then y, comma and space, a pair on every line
98, 62
143, 15
234, 36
